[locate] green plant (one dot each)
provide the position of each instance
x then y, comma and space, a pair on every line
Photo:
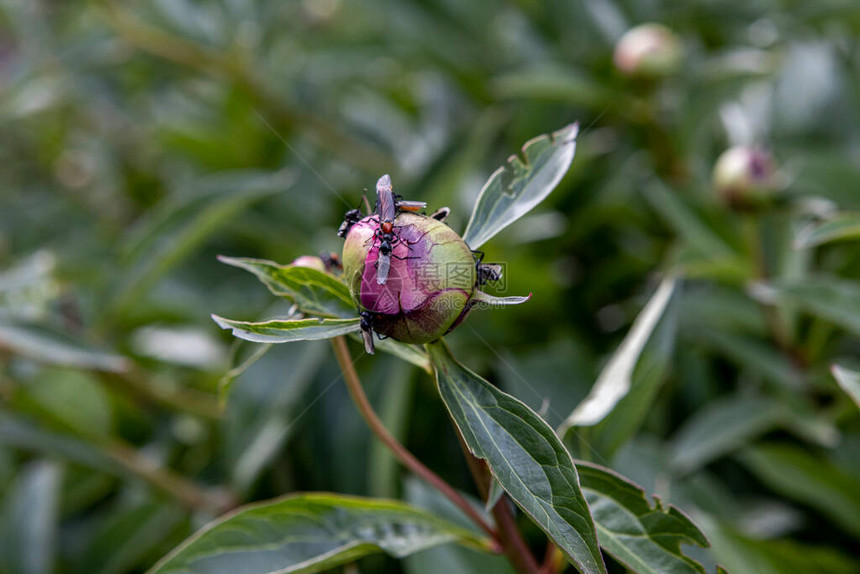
513, 453
140, 140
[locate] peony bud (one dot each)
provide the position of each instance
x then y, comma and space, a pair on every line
648, 51
430, 282
311, 261
745, 176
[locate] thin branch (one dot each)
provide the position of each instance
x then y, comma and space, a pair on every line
353, 384
780, 331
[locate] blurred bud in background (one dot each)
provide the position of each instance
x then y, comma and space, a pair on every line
746, 176
648, 51
311, 261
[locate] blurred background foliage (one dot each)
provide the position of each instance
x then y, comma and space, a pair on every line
138, 140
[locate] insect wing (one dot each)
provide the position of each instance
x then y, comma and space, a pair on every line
386, 208
412, 206
368, 341
383, 265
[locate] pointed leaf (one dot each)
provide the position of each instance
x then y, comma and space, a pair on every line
849, 381
842, 227
410, 353
483, 300
183, 222
28, 525
53, 349
517, 187
834, 300
285, 331
687, 223
644, 537
793, 472
450, 558
614, 381
313, 291
723, 426
310, 533
524, 455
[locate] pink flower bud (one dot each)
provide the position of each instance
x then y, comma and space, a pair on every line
311, 261
746, 176
430, 282
648, 50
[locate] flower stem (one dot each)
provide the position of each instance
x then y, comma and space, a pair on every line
353, 384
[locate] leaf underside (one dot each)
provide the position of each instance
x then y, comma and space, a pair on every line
285, 331
644, 537
849, 381
615, 381
310, 533
313, 291
524, 455
517, 187
843, 227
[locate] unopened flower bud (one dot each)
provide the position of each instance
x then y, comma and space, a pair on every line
746, 176
311, 261
648, 51
429, 284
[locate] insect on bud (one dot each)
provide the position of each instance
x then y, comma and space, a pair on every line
430, 279
648, 51
746, 176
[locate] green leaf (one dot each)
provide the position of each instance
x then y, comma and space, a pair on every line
557, 84
494, 495
517, 187
849, 381
756, 355
744, 554
410, 353
645, 538
448, 558
310, 533
131, 534
72, 399
313, 291
841, 227
834, 300
285, 331
264, 408
240, 364
524, 454
483, 300
52, 349
686, 222
183, 222
721, 427
795, 473
615, 380
20, 433
28, 525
